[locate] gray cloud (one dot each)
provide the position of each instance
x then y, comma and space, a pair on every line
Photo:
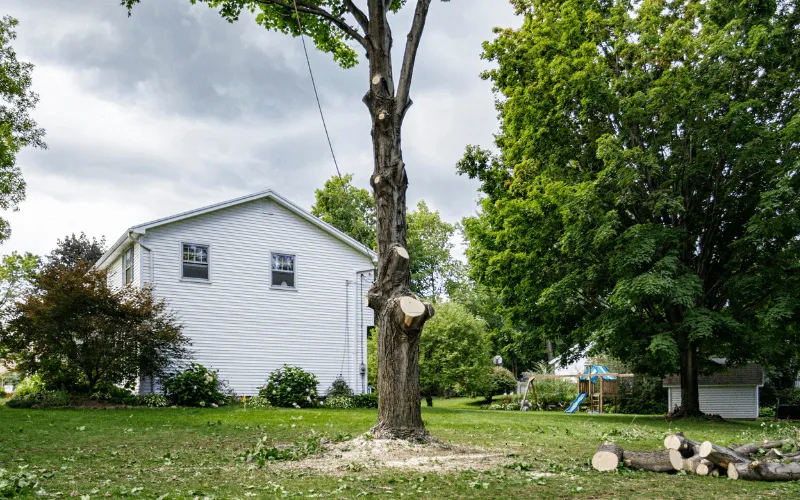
175, 108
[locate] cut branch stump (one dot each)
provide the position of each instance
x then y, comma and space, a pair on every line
678, 442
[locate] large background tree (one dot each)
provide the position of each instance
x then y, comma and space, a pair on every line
647, 192
17, 128
349, 209
74, 251
342, 28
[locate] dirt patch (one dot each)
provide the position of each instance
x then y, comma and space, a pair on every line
368, 454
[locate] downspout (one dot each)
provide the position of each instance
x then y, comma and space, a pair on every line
138, 239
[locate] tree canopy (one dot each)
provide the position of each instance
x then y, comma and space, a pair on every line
17, 129
429, 245
646, 193
347, 208
78, 333
75, 251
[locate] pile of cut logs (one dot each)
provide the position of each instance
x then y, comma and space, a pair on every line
755, 462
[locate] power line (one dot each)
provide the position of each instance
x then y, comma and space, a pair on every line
316, 94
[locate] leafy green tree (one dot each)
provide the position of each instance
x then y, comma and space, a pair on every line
429, 245
16, 272
79, 334
453, 351
646, 195
17, 128
74, 251
341, 28
349, 209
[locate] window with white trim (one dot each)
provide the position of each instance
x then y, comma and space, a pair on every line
283, 270
127, 266
195, 261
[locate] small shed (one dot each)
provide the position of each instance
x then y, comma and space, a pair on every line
732, 393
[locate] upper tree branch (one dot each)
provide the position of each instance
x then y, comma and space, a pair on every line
308, 8
410, 56
361, 18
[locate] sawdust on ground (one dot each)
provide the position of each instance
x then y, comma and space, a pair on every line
362, 453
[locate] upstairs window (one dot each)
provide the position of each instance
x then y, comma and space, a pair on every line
127, 266
195, 261
283, 270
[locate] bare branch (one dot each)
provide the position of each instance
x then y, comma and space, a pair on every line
410, 56
308, 8
361, 18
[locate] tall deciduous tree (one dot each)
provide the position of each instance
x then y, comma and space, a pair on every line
429, 245
647, 193
337, 26
347, 208
78, 250
17, 128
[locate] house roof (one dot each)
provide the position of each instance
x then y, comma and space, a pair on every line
141, 229
751, 375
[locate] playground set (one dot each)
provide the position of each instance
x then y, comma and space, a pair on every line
595, 385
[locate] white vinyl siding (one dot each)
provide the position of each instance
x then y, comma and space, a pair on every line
116, 272
238, 323
726, 401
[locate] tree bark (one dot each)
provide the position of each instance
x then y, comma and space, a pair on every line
749, 449
401, 315
690, 392
721, 456
759, 471
655, 461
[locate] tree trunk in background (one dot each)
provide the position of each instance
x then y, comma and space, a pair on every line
401, 315
550, 355
690, 392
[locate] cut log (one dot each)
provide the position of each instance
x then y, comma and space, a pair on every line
705, 468
607, 457
721, 456
760, 471
676, 459
773, 454
656, 461
678, 442
752, 448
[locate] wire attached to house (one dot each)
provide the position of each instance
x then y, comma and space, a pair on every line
316, 94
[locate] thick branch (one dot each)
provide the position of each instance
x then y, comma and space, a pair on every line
308, 8
410, 56
361, 18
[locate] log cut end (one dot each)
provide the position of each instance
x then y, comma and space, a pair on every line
607, 457
676, 459
732, 472
706, 448
412, 308
672, 442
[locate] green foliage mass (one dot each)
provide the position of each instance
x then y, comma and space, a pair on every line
290, 386
453, 351
194, 386
79, 334
339, 388
347, 208
646, 193
17, 129
432, 266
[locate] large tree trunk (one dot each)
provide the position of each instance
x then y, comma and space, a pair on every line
401, 315
690, 392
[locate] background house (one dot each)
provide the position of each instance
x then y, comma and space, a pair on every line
733, 393
257, 282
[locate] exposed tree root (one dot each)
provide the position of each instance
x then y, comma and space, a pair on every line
413, 435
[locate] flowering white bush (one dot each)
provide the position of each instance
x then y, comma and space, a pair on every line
290, 386
343, 402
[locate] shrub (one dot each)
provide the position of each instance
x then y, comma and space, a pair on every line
503, 406
555, 393
339, 388
495, 381
30, 386
642, 395
290, 386
152, 401
258, 402
44, 399
365, 400
341, 402
114, 395
194, 386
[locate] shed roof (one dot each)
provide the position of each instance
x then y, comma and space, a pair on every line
750, 375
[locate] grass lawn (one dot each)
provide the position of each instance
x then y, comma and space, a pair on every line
149, 453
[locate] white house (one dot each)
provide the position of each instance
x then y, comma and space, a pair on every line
733, 393
257, 282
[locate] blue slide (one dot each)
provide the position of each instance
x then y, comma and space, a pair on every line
576, 404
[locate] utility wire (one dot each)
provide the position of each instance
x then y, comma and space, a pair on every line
316, 94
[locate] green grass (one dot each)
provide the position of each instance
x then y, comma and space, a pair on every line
147, 453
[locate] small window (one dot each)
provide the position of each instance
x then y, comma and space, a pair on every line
283, 270
195, 261
127, 266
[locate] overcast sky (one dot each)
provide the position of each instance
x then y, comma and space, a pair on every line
174, 108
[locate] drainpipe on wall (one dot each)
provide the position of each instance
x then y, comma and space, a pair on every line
138, 239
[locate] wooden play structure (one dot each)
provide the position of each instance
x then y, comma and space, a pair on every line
595, 385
